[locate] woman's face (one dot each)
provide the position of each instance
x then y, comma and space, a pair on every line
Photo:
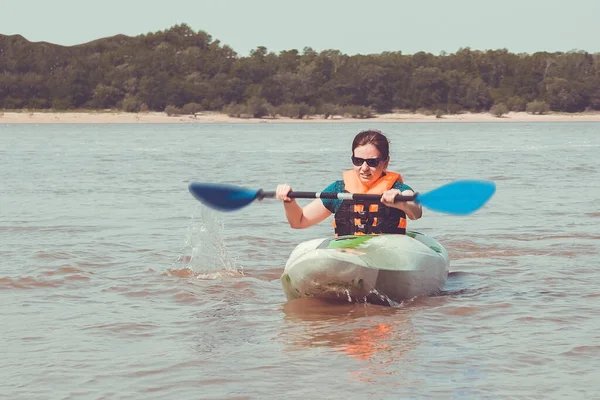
366, 173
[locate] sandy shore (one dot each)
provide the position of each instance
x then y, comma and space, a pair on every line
210, 117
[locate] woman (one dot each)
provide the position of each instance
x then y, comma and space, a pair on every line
370, 156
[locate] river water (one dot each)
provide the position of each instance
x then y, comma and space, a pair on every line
115, 283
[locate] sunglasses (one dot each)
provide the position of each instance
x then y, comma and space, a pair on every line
371, 162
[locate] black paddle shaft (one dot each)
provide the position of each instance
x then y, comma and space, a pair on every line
336, 196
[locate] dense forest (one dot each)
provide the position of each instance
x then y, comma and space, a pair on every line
180, 70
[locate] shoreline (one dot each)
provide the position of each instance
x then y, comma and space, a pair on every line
118, 117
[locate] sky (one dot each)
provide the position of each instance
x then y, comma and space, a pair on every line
351, 26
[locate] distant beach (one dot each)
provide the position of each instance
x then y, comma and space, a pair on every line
90, 117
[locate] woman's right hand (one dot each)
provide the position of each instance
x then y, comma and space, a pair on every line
282, 192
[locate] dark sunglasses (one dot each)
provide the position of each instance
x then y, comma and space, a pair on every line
371, 162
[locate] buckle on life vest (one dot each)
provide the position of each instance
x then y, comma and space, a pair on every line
362, 216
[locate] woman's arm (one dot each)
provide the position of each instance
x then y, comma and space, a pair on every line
298, 217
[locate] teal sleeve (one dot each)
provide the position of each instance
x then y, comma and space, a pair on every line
401, 186
333, 204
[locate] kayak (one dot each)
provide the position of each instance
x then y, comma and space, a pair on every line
366, 268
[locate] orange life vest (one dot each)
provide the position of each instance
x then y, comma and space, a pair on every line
368, 217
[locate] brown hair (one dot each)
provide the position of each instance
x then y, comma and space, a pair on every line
374, 137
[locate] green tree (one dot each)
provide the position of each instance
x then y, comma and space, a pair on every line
106, 96
563, 95
180, 66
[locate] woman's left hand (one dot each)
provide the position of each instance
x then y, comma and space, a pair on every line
412, 209
387, 198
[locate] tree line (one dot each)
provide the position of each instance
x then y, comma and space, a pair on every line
179, 70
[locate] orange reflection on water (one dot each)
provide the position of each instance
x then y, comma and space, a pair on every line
360, 331
368, 341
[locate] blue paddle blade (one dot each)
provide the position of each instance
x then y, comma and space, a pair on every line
459, 197
222, 197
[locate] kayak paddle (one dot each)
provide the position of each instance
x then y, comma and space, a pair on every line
460, 197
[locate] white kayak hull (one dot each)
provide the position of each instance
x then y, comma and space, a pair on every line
373, 268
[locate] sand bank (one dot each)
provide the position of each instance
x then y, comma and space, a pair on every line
212, 117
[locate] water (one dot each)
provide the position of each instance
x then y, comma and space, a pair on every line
116, 283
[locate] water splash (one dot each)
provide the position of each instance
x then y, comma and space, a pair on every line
348, 294
385, 299
204, 251
373, 296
